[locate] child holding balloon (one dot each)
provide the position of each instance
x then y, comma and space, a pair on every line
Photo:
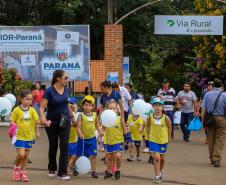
159, 129
114, 143
87, 123
136, 127
23, 116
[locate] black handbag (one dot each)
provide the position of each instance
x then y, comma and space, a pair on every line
209, 120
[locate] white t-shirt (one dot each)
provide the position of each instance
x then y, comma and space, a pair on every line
126, 97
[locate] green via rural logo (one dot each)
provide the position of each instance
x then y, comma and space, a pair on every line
3, 112
170, 23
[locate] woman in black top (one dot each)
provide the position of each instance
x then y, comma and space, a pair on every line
59, 114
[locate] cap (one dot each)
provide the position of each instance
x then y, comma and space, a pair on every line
165, 81
89, 98
210, 82
157, 100
72, 100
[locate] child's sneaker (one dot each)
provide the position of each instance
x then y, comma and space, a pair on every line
94, 175
139, 159
23, 176
117, 175
146, 150
161, 175
157, 179
16, 174
107, 175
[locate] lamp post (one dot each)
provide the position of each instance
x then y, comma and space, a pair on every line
136, 9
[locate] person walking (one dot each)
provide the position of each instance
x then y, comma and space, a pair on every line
215, 102
37, 94
168, 94
57, 122
187, 101
126, 98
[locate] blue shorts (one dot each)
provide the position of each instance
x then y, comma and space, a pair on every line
72, 148
23, 144
127, 137
147, 143
105, 146
157, 148
115, 148
137, 143
90, 147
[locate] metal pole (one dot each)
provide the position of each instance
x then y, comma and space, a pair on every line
110, 12
133, 11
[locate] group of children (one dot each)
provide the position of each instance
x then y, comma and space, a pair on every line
82, 140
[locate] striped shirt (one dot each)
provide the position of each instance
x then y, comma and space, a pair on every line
168, 98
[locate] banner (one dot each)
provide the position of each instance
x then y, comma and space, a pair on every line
189, 25
37, 51
112, 77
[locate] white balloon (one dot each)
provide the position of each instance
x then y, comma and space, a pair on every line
108, 118
83, 165
144, 110
11, 98
137, 104
6, 106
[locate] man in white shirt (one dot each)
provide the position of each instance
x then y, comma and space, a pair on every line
126, 98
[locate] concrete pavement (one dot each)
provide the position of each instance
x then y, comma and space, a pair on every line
186, 163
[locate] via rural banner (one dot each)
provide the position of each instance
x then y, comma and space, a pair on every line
36, 51
189, 25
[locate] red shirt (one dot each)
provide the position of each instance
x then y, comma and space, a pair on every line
37, 96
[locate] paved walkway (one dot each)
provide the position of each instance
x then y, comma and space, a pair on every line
186, 163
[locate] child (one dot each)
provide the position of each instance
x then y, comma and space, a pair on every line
136, 127
73, 136
24, 116
114, 143
159, 129
87, 123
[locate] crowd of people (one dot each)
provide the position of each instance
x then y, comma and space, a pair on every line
81, 133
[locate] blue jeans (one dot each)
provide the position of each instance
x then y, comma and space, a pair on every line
184, 123
171, 117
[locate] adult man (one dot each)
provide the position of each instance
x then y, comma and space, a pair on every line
133, 94
216, 133
167, 94
126, 98
187, 101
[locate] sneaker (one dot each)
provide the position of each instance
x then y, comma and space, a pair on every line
216, 164
161, 175
75, 173
117, 175
29, 161
130, 159
94, 175
139, 159
146, 150
63, 177
107, 175
151, 160
16, 174
103, 159
23, 176
157, 179
52, 174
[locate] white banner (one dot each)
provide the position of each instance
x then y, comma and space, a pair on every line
189, 25
68, 37
28, 60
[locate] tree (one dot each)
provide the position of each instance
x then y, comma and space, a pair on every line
210, 50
